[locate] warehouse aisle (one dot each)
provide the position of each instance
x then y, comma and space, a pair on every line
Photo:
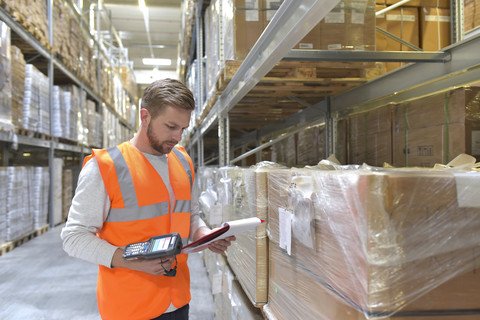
39, 281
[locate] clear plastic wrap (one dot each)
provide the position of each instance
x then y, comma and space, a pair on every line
19, 215
386, 242
18, 85
3, 204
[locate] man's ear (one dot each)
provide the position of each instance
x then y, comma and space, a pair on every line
144, 116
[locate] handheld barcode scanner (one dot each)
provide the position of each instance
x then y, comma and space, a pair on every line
156, 247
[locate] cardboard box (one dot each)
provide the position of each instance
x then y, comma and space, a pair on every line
311, 145
248, 25
403, 22
436, 128
370, 137
435, 28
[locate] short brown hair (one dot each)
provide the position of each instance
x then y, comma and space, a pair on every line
167, 92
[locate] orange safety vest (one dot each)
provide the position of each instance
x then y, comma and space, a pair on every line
139, 210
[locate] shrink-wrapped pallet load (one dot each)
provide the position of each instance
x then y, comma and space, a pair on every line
18, 85
67, 192
69, 96
35, 112
248, 255
367, 242
5, 78
57, 187
19, 215
41, 183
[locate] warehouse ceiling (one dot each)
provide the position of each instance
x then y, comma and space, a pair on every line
159, 41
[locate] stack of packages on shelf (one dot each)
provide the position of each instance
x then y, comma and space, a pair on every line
71, 44
3, 204
82, 119
32, 15
109, 128
39, 195
106, 89
18, 85
70, 100
284, 151
58, 115
360, 242
67, 192
35, 113
94, 125
310, 145
127, 78
419, 132
5, 78
19, 215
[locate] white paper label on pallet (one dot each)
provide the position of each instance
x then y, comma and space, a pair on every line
285, 229
305, 45
252, 12
475, 142
468, 184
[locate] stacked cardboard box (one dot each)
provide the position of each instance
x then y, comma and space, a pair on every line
472, 15
69, 101
311, 145
18, 85
434, 28
57, 187
355, 243
285, 151
5, 78
41, 183
370, 137
436, 128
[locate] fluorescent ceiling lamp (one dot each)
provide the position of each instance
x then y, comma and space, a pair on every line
157, 62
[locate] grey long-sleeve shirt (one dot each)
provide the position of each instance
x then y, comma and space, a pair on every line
90, 207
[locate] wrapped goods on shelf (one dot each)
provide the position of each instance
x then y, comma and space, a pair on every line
3, 204
67, 192
70, 101
57, 187
310, 145
32, 15
472, 15
35, 112
94, 125
436, 128
5, 78
41, 183
379, 241
370, 137
18, 85
106, 86
82, 118
248, 255
57, 113
19, 213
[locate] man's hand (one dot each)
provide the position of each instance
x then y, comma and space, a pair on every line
156, 267
218, 246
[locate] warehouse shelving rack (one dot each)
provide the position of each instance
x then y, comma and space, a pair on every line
454, 66
55, 146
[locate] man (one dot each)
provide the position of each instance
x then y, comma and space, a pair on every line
130, 193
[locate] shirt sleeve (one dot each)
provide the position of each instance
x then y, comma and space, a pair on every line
89, 209
195, 220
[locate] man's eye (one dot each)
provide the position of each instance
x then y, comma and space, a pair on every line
170, 127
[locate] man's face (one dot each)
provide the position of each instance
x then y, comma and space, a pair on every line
165, 131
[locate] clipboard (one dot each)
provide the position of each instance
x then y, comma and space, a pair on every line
226, 230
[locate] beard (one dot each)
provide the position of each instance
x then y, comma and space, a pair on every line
157, 145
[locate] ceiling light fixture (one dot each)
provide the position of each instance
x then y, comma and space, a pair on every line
157, 62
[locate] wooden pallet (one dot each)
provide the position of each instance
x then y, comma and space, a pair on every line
10, 245
32, 134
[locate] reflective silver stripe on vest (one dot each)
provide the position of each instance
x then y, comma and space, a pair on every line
139, 213
184, 163
182, 206
124, 178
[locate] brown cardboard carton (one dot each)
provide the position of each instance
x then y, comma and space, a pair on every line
381, 22
402, 22
248, 24
435, 28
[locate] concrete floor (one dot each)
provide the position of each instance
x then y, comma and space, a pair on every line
39, 281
